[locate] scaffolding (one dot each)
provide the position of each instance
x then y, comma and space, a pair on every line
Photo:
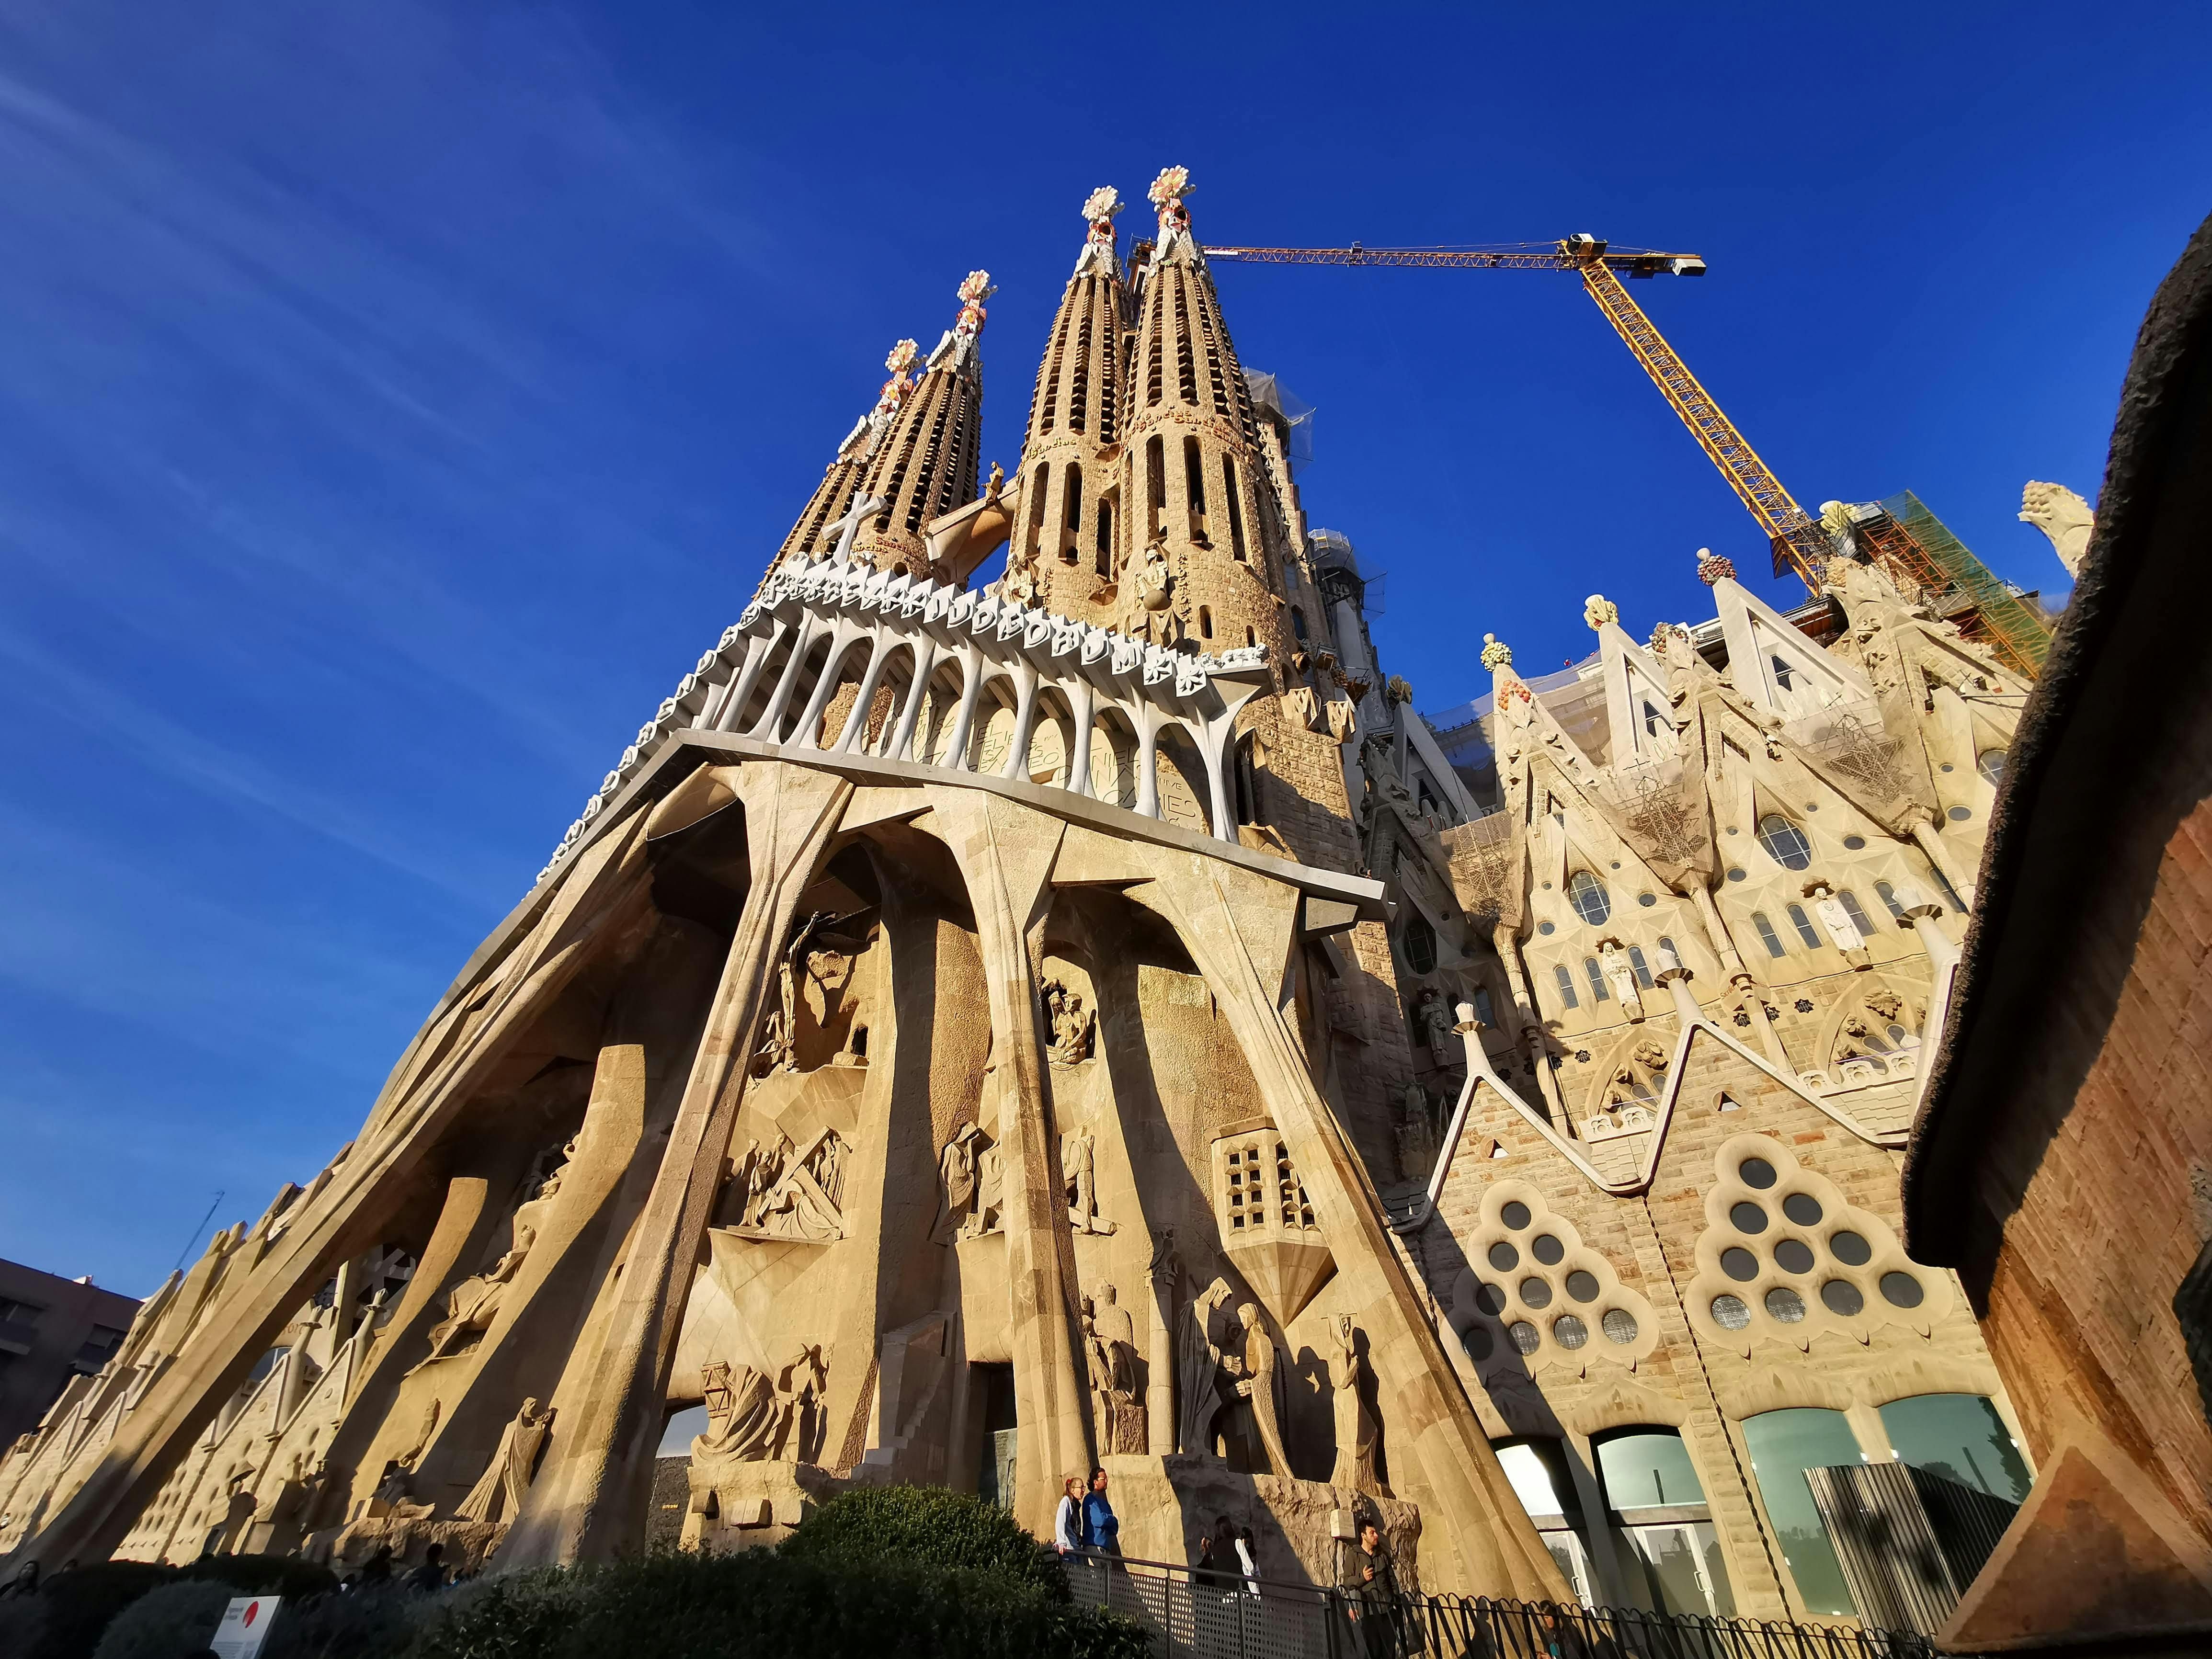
1918, 550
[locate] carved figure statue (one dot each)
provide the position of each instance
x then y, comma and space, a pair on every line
1358, 1434
805, 1201
1071, 1024
1256, 1387
1152, 589
1110, 1340
1198, 1370
968, 1171
1078, 1167
1622, 976
498, 1493
472, 1304
2062, 515
1837, 919
1435, 1020
802, 1382
779, 1048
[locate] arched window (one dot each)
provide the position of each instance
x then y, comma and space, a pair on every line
1104, 518
1785, 675
1887, 895
1566, 987
1156, 484
1991, 764
1193, 477
1784, 841
1587, 895
1651, 1486
1654, 721
1482, 1007
1668, 945
1420, 943
1804, 927
1204, 623
1598, 993
1960, 1436
1298, 623
1767, 936
1236, 507
1072, 523
1852, 908
1784, 1445
1636, 961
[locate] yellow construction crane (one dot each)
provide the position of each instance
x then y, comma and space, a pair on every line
1799, 542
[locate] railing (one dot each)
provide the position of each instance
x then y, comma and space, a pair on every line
1193, 1616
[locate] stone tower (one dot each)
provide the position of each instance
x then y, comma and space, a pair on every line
819, 528
926, 465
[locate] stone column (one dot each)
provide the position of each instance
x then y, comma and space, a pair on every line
1160, 1282
588, 1501
1006, 852
1940, 855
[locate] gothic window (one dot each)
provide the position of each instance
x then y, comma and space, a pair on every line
1204, 623
1635, 962
1654, 721
1767, 936
1803, 924
1598, 993
1156, 483
1784, 841
1887, 895
1482, 1007
1036, 507
1104, 516
1587, 895
1419, 940
1991, 764
1298, 623
1073, 521
1566, 982
1235, 507
1194, 477
1785, 676
1666, 944
1852, 908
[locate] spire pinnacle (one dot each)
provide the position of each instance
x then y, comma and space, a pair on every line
1496, 654
861, 441
975, 289
1712, 567
1167, 193
1099, 211
1598, 611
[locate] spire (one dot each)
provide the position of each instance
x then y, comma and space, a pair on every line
833, 496
921, 463
1066, 548
1175, 241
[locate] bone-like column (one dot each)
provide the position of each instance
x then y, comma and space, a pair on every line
590, 1501
1006, 852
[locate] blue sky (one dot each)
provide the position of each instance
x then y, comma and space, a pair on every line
396, 399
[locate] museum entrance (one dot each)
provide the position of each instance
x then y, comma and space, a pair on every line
993, 1387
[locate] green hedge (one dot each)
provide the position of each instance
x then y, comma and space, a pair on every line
927, 1527
760, 1601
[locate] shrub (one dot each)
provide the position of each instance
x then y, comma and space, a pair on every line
291, 1577
170, 1621
925, 1526
373, 1624
732, 1606
75, 1607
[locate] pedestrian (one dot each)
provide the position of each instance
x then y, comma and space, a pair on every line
25, 1581
1371, 1585
431, 1575
377, 1573
1247, 1558
1102, 1531
1068, 1520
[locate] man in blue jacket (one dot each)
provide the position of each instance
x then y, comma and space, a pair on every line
1101, 1531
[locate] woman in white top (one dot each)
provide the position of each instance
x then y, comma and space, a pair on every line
1068, 1520
1244, 1560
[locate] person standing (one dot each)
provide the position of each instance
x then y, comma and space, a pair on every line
1068, 1520
1102, 1531
431, 1575
1370, 1586
1248, 1560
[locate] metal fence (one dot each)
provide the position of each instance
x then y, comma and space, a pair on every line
1194, 1617
1909, 1541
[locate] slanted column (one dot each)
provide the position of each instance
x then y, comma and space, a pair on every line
1676, 978
1940, 855
1217, 785
1025, 702
1148, 760
925, 664
589, 1500
1507, 945
825, 686
772, 716
1079, 702
857, 721
971, 688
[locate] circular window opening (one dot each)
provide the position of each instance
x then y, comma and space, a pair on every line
1545, 927
1581, 1286
1784, 1305
1546, 1249
1569, 1332
1619, 1325
1850, 1250
1736, 874
1784, 841
1739, 1264
1478, 1343
1791, 1255
1491, 1299
1854, 843
1991, 764
1505, 1257
1535, 1293
1525, 1336
1901, 1290
1802, 1208
1840, 1296
1729, 1313
1747, 1219
1515, 1215
1756, 1172
1960, 814
1647, 899
1587, 895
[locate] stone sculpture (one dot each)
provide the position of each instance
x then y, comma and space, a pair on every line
472, 1304
1109, 1336
1842, 930
1255, 1376
1198, 1372
968, 1174
1620, 974
1434, 1015
498, 1493
1071, 1024
1359, 1436
778, 1050
1078, 1167
2063, 516
800, 1197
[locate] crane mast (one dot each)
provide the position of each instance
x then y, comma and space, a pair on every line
1800, 544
